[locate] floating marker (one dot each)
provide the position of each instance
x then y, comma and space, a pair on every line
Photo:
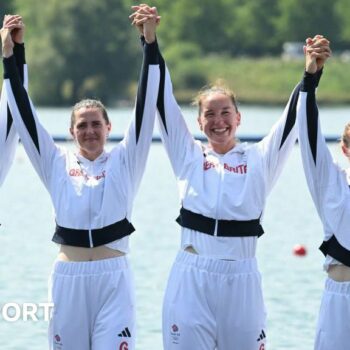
299, 250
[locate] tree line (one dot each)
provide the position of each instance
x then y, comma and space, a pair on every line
79, 49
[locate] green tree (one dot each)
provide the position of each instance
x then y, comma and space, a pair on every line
251, 28
299, 19
79, 50
6, 7
343, 11
202, 22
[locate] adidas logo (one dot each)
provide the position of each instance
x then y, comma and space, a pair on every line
125, 333
261, 336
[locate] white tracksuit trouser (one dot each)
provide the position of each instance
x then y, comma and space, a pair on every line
333, 329
213, 304
93, 306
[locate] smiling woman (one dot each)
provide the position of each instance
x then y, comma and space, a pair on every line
214, 297
218, 117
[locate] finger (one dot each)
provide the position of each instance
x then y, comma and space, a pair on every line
142, 7
144, 10
138, 14
140, 22
12, 27
8, 18
321, 49
154, 10
308, 40
142, 16
13, 19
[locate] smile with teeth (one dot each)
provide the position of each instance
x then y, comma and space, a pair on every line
219, 131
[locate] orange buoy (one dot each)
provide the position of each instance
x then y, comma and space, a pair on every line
299, 250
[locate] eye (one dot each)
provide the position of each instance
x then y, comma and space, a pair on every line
81, 126
97, 124
209, 115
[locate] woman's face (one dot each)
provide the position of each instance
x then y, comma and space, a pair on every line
90, 131
219, 120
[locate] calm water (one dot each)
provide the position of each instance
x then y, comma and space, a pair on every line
292, 285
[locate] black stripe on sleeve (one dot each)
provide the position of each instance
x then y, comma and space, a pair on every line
9, 122
312, 123
309, 84
160, 99
291, 115
19, 54
21, 97
150, 56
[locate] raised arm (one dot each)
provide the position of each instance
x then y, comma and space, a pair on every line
36, 141
8, 134
138, 137
177, 139
278, 144
326, 181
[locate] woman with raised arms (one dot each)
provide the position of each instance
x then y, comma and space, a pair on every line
214, 298
92, 192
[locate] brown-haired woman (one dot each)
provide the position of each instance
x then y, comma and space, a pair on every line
92, 191
214, 297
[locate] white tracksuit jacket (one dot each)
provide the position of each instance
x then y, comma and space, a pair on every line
233, 186
89, 194
327, 182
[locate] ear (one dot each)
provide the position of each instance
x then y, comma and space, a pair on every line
72, 132
238, 116
345, 150
200, 123
109, 127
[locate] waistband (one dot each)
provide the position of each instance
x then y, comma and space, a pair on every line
334, 249
216, 265
337, 287
222, 228
90, 267
95, 237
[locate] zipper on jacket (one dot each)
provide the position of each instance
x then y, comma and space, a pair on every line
222, 174
90, 233
90, 239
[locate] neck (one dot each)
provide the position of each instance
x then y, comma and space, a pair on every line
222, 148
90, 155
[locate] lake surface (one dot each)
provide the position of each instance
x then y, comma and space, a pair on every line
292, 285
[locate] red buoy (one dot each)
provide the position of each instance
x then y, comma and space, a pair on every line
299, 250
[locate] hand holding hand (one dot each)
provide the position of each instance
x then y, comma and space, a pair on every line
16, 26
316, 51
145, 19
12, 31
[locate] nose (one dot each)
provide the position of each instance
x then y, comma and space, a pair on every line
219, 120
90, 129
